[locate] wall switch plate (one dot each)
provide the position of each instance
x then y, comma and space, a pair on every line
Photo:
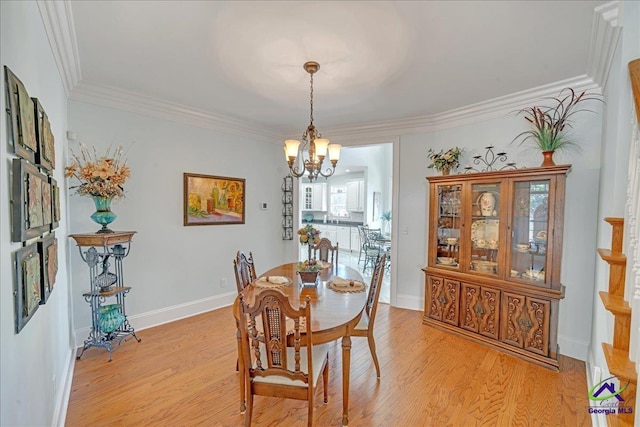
264, 206
223, 283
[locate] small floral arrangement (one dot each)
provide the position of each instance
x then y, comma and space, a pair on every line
308, 234
102, 176
444, 159
310, 265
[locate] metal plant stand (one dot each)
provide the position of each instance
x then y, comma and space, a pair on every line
103, 251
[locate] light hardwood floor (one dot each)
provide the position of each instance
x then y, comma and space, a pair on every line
183, 374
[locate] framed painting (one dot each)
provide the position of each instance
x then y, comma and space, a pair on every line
376, 206
48, 252
55, 203
213, 200
45, 156
26, 284
31, 201
22, 119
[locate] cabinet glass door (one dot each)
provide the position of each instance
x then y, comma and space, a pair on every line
485, 228
308, 197
528, 257
449, 221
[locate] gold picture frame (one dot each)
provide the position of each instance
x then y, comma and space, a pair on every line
213, 200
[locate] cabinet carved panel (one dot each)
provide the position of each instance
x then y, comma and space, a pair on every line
443, 300
480, 307
526, 323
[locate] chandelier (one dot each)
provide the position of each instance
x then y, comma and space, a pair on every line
317, 146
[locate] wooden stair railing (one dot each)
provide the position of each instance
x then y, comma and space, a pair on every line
617, 355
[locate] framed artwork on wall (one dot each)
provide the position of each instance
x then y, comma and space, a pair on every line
31, 199
45, 156
27, 284
55, 203
213, 200
376, 206
22, 119
48, 251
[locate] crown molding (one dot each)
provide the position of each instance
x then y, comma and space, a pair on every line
481, 111
57, 19
58, 22
154, 107
605, 33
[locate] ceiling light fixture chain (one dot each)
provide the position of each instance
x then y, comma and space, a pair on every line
318, 146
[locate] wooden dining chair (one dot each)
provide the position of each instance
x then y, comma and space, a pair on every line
278, 358
364, 328
244, 269
323, 249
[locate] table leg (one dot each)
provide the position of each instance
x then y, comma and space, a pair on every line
346, 364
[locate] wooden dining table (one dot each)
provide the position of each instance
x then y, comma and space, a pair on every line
334, 314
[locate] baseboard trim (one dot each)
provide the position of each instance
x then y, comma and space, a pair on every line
64, 391
594, 376
169, 314
573, 348
409, 302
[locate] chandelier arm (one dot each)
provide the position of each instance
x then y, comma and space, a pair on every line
295, 171
329, 171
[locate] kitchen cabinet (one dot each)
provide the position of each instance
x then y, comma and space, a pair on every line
328, 231
314, 197
343, 237
355, 196
355, 240
494, 257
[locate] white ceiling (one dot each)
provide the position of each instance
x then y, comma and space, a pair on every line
379, 60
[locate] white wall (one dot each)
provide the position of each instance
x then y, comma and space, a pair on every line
176, 270
34, 363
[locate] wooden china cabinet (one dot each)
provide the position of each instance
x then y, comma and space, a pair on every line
494, 256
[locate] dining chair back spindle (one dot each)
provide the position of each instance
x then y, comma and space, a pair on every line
364, 328
323, 249
244, 269
277, 355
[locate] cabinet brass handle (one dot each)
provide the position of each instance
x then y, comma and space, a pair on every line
442, 299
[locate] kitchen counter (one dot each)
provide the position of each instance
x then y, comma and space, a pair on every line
341, 223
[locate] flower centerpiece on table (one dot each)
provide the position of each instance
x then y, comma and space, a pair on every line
444, 160
310, 236
101, 177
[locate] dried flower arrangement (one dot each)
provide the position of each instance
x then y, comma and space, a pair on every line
102, 176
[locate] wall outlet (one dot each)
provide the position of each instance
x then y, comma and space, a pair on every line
405, 229
264, 206
223, 283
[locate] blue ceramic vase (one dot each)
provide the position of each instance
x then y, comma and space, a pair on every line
103, 214
110, 318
